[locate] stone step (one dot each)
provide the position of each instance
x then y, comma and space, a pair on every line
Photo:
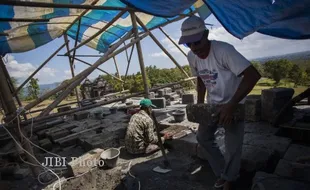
273, 182
293, 170
274, 143
296, 151
263, 128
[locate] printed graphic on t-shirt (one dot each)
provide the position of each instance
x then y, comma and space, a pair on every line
208, 77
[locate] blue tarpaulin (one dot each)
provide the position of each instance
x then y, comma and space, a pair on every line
285, 19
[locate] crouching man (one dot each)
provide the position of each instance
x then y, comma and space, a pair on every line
141, 137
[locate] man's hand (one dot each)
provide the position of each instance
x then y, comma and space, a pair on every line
226, 113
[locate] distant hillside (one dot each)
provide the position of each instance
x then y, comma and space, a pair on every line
298, 57
44, 87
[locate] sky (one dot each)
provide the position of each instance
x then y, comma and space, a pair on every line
256, 45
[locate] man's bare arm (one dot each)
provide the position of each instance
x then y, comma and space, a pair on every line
249, 80
201, 91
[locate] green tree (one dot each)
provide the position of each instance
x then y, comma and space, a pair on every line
259, 67
21, 91
296, 75
277, 69
33, 88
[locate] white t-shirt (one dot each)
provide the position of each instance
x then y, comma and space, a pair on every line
219, 71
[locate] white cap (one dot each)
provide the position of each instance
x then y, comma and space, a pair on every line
192, 30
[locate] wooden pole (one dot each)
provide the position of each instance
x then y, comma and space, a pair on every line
71, 59
99, 32
22, 20
129, 60
39, 119
60, 5
38, 69
82, 61
79, 17
12, 87
116, 67
82, 55
83, 75
95, 65
176, 45
162, 48
10, 115
140, 56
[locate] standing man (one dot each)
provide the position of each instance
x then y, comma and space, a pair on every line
141, 137
228, 77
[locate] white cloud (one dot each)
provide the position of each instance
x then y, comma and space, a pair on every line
21, 71
258, 45
172, 49
18, 70
158, 54
67, 74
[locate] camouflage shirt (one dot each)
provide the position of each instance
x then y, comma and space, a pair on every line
140, 133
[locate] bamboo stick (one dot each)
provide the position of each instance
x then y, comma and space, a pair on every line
79, 17
140, 55
71, 67
163, 48
176, 45
67, 83
23, 20
61, 5
82, 61
129, 60
38, 69
86, 72
116, 67
99, 32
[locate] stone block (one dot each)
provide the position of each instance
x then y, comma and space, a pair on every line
117, 129
46, 144
273, 100
102, 140
262, 128
180, 92
252, 118
295, 151
268, 181
58, 134
159, 102
55, 122
188, 99
168, 90
152, 95
186, 145
202, 113
267, 141
293, 170
81, 115
84, 163
257, 159
161, 93
64, 109
21, 173
175, 97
